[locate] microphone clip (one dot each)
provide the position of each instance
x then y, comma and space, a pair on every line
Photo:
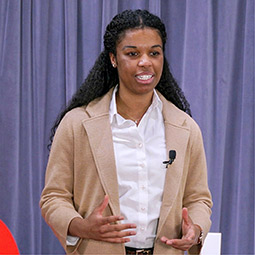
172, 156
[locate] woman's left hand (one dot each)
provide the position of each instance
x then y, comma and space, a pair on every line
190, 232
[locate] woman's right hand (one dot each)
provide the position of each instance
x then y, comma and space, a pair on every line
100, 228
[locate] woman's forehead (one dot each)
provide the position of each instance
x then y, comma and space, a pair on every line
140, 35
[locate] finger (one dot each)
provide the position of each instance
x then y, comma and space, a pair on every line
110, 219
103, 205
117, 227
163, 239
118, 234
185, 216
180, 244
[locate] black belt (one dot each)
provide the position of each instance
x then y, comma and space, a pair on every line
139, 251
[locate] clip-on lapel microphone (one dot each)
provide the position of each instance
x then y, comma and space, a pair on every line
172, 156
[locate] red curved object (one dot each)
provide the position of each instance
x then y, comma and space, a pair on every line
7, 242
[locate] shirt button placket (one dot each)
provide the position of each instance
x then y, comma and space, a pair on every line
143, 193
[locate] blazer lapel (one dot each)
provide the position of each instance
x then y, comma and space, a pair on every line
100, 138
177, 136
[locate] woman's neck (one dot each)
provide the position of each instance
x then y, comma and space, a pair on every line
133, 107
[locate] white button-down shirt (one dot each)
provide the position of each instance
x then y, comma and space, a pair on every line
139, 153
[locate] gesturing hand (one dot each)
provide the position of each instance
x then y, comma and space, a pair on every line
190, 233
100, 228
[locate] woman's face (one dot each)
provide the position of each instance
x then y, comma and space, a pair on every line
139, 60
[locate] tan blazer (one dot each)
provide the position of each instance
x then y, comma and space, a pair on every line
81, 170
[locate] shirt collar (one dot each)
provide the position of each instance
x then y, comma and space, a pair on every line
156, 103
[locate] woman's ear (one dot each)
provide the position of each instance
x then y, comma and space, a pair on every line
113, 59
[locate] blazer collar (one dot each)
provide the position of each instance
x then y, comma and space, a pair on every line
171, 113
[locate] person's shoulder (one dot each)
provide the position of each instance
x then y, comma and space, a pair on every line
176, 116
77, 113
188, 120
188, 123
74, 117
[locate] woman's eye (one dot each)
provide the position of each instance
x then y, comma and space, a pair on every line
132, 54
155, 53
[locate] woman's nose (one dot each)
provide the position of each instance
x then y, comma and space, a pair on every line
144, 61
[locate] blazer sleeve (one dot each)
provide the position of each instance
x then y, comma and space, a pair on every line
57, 196
197, 197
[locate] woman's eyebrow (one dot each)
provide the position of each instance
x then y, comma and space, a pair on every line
157, 45
134, 47
129, 46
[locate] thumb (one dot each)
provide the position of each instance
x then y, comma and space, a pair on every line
185, 216
100, 209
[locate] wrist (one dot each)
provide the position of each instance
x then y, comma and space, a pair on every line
74, 228
200, 234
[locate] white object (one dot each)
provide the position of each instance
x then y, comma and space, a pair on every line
212, 244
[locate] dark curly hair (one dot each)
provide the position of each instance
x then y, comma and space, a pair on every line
103, 76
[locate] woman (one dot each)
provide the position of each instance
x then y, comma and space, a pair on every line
107, 190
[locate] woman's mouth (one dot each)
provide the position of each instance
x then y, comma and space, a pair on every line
144, 77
